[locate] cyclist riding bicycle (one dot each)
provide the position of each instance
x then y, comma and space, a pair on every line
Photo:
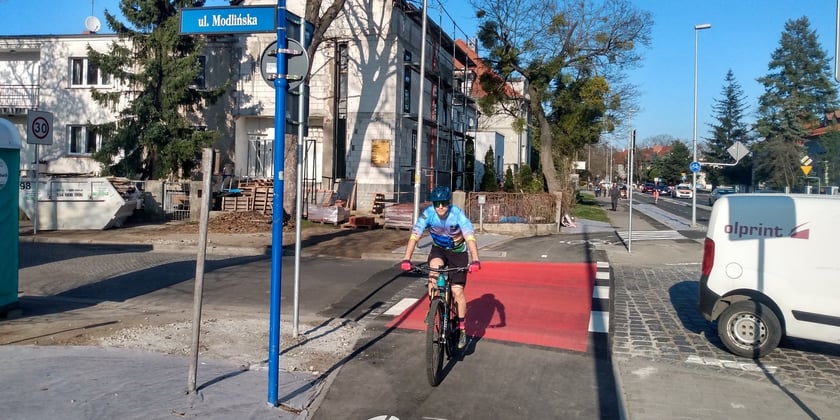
452, 236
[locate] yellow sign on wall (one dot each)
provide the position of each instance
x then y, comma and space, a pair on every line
380, 153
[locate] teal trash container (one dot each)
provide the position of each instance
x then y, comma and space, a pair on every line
9, 190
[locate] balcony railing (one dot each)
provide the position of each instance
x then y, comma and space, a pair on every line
17, 99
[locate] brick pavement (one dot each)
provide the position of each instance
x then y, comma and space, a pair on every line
668, 359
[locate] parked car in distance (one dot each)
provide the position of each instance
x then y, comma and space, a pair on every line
682, 191
648, 187
663, 189
719, 192
622, 191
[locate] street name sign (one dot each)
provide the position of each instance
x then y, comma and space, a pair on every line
228, 20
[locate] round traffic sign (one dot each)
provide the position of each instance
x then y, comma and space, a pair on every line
40, 127
694, 166
297, 65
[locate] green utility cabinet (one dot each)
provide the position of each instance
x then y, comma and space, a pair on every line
10, 143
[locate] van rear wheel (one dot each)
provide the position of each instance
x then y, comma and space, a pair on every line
749, 329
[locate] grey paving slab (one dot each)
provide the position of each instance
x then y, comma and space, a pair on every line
44, 382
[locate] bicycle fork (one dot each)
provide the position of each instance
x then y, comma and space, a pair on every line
447, 301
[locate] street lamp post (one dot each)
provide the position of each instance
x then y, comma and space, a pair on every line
697, 28
418, 154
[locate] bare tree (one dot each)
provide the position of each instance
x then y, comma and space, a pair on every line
321, 21
568, 52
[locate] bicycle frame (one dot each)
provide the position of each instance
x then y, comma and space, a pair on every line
444, 288
439, 340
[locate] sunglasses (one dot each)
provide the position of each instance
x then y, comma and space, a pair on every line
440, 203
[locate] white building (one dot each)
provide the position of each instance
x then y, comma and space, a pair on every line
52, 73
363, 104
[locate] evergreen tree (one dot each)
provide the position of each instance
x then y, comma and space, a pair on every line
729, 128
527, 181
509, 185
827, 164
798, 92
671, 166
152, 136
489, 181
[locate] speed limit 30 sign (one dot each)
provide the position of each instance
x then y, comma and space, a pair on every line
39, 127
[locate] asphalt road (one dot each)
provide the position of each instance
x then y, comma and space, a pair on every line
115, 273
385, 375
493, 380
680, 207
657, 320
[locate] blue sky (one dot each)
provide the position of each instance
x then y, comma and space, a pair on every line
743, 35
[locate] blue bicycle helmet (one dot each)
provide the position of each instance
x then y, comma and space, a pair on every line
441, 194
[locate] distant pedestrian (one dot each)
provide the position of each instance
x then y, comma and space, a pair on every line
656, 195
614, 193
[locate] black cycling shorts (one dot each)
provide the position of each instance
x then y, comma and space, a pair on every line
452, 259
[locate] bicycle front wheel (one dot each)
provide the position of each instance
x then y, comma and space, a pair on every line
452, 333
435, 340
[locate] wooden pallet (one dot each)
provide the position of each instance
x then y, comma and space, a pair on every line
239, 203
263, 199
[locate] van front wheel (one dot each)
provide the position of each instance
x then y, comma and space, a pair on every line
749, 329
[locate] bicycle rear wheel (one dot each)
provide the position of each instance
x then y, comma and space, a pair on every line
435, 340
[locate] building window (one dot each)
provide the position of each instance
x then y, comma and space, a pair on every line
83, 141
200, 81
84, 73
413, 148
343, 65
444, 102
407, 83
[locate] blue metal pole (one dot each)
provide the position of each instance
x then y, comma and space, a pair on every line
280, 87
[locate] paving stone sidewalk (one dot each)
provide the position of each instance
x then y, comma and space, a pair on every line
669, 362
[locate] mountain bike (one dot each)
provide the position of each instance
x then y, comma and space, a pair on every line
441, 331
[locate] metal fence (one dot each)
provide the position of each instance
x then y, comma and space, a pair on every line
15, 99
501, 207
176, 200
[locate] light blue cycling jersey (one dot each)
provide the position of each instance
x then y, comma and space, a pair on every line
450, 233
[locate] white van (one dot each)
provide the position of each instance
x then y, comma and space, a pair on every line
771, 268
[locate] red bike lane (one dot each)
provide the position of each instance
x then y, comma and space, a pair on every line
538, 303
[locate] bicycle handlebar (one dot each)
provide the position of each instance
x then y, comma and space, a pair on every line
424, 268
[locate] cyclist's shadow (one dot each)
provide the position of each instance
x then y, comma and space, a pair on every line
480, 314
479, 317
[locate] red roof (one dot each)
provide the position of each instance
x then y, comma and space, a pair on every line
480, 69
830, 123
